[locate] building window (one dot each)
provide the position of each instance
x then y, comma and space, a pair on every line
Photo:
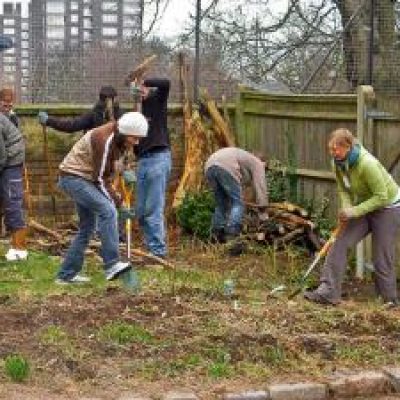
110, 31
130, 21
55, 32
8, 22
25, 63
87, 23
110, 18
55, 20
109, 6
130, 9
25, 53
87, 35
9, 59
87, 12
74, 5
74, 18
128, 32
74, 31
9, 31
9, 68
25, 44
57, 7
25, 26
25, 35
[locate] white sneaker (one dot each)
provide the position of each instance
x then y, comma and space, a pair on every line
117, 269
16, 255
76, 279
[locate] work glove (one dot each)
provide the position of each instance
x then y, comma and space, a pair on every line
125, 213
135, 90
345, 214
129, 177
43, 117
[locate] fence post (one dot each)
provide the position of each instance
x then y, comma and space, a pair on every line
239, 118
365, 95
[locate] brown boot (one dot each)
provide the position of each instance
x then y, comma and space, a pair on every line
18, 239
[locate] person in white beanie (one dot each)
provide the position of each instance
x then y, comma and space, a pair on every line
86, 175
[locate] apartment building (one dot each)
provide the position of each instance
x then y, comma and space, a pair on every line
52, 28
14, 63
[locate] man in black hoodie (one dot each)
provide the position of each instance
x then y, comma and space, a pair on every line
154, 164
98, 116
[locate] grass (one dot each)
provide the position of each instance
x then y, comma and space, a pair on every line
122, 333
181, 328
16, 368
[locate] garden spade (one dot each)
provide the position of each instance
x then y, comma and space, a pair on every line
322, 253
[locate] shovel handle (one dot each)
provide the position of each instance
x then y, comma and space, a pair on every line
325, 248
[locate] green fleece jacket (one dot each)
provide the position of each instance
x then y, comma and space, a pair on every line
366, 186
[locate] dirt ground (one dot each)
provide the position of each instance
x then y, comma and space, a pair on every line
181, 331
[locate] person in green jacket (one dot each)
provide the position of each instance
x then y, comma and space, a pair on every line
370, 200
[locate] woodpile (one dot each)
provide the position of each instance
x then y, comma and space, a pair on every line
205, 130
287, 224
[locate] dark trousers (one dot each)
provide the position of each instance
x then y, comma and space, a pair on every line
383, 225
229, 206
11, 193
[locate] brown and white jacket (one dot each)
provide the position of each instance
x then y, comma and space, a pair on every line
93, 158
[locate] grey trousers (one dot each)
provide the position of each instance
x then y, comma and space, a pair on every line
383, 225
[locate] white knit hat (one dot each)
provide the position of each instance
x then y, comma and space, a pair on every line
133, 124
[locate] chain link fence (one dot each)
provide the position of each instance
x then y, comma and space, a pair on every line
65, 50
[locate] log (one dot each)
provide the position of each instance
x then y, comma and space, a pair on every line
289, 237
221, 127
139, 71
43, 229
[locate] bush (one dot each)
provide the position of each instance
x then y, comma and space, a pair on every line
194, 215
17, 368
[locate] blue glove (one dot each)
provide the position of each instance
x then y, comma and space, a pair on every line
125, 213
43, 117
129, 177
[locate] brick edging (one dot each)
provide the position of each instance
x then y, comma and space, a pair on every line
344, 385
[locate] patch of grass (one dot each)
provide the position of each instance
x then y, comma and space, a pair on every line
122, 333
53, 335
218, 370
17, 368
365, 353
273, 355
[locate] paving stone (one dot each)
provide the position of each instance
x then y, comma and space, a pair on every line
298, 391
180, 396
251, 395
361, 384
133, 397
394, 376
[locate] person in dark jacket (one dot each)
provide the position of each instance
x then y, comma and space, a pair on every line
154, 164
6, 105
12, 157
99, 115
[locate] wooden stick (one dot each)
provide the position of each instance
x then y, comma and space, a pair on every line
138, 72
159, 260
43, 229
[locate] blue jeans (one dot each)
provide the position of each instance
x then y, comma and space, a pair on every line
228, 198
91, 204
153, 171
11, 194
